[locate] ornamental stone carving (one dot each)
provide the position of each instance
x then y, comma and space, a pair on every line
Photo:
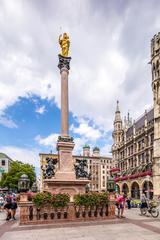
64, 62
81, 169
65, 139
49, 169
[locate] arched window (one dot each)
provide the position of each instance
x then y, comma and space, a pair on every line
135, 191
148, 189
125, 188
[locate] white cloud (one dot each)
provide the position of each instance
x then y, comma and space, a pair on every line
106, 150
79, 143
86, 131
9, 123
84, 138
25, 155
51, 140
109, 54
40, 110
47, 141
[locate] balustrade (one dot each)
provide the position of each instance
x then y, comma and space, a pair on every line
30, 214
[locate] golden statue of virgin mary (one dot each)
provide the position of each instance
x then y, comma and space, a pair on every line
64, 43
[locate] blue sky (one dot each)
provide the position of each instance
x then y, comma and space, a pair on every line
110, 51
33, 125
32, 119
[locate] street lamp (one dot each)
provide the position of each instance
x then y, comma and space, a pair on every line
23, 183
111, 184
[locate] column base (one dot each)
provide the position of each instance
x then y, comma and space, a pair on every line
65, 180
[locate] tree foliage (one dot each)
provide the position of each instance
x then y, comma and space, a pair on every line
17, 168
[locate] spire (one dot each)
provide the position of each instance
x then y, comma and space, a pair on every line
117, 113
128, 117
117, 109
128, 121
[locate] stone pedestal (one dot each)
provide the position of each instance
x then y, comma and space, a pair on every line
65, 180
65, 165
72, 187
23, 198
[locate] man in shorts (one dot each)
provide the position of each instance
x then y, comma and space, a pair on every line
13, 209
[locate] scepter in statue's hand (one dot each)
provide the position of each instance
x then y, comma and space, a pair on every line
60, 38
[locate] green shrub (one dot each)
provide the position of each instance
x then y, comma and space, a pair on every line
39, 200
103, 198
91, 199
56, 200
60, 200
135, 201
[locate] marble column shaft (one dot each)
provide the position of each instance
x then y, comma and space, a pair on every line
64, 102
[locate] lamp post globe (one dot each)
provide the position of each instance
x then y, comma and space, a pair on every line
23, 183
111, 186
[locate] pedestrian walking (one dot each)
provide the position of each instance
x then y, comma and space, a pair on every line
128, 201
7, 207
120, 203
13, 209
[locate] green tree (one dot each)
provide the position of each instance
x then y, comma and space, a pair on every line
17, 168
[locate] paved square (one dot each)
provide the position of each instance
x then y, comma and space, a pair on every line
133, 227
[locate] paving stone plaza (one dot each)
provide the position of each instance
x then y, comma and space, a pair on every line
132, 227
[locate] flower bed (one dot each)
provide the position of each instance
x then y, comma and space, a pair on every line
124, 178
117, 179
134, 176
114, 170
135, 203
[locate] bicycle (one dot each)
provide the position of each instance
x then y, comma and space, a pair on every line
151, 208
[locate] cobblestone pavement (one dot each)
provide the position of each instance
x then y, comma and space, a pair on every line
133, 227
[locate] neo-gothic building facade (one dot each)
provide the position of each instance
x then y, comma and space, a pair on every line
97, 166
136, 146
